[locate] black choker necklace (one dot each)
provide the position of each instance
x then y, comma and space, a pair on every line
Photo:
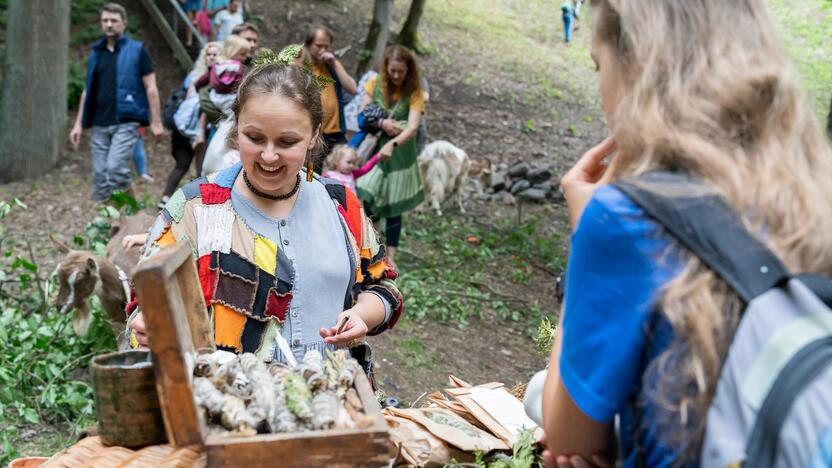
271, 197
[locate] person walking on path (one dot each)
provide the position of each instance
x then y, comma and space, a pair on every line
568, 14
214, 114
191, 7
140, 159
250, 33
318, 47
181, 147
395, 186
119, 96
225, 20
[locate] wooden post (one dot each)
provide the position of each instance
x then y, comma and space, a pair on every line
171, 328
169, 34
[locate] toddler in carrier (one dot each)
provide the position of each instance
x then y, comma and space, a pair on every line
224, 77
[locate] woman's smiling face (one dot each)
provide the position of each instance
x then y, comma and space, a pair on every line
274, 135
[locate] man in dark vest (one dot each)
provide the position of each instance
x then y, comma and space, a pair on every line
318, 47
120, 95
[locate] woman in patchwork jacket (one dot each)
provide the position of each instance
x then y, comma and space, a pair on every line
278, 251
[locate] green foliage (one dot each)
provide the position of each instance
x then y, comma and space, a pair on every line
43, 364
524, 454
364, 54
545, 336
124, 201
529, 127
412, 351
806, 28
75, 83
287, 56
461, 264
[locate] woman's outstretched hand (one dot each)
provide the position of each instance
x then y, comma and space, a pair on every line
352, 333
586, 175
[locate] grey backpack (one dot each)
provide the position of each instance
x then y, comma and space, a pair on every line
773, 402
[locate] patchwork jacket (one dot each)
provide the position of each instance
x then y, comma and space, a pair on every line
247, 279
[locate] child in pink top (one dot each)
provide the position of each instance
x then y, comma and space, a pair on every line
341, 165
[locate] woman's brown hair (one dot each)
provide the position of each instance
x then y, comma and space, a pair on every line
412, 81
288, 81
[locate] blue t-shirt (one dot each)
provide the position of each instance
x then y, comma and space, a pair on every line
619, 261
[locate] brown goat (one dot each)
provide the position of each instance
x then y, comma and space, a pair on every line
82, 274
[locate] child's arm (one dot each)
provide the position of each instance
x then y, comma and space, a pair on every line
202, 80
203, 123
367, 166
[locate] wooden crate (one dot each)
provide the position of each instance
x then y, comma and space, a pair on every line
168, 288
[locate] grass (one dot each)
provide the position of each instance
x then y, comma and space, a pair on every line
456, 267
522, 41
806, 29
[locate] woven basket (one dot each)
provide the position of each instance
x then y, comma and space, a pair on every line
77, 455
126, 401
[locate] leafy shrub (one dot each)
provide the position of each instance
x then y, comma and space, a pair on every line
43, 364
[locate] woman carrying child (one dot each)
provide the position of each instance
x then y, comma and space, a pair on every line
224, 78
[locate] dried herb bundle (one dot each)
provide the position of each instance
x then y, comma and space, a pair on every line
241, 395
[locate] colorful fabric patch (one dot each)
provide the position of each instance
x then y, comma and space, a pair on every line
213, 194
353, 215
213, 224
166, 238
226, 177
176, 205
235, 264
337, 192
191, 189
265, 254
252, 338
265, 283
258, 283
267, 345
242, 240
376, 270
235, 292
285, 268
157, 229
228, 327
207, 277
278, 304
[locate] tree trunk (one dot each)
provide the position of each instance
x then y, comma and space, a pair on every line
829, 121
377, 36
409, 35
33, 111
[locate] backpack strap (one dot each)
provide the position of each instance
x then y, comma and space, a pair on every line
710, 229
801, 370
707, 226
